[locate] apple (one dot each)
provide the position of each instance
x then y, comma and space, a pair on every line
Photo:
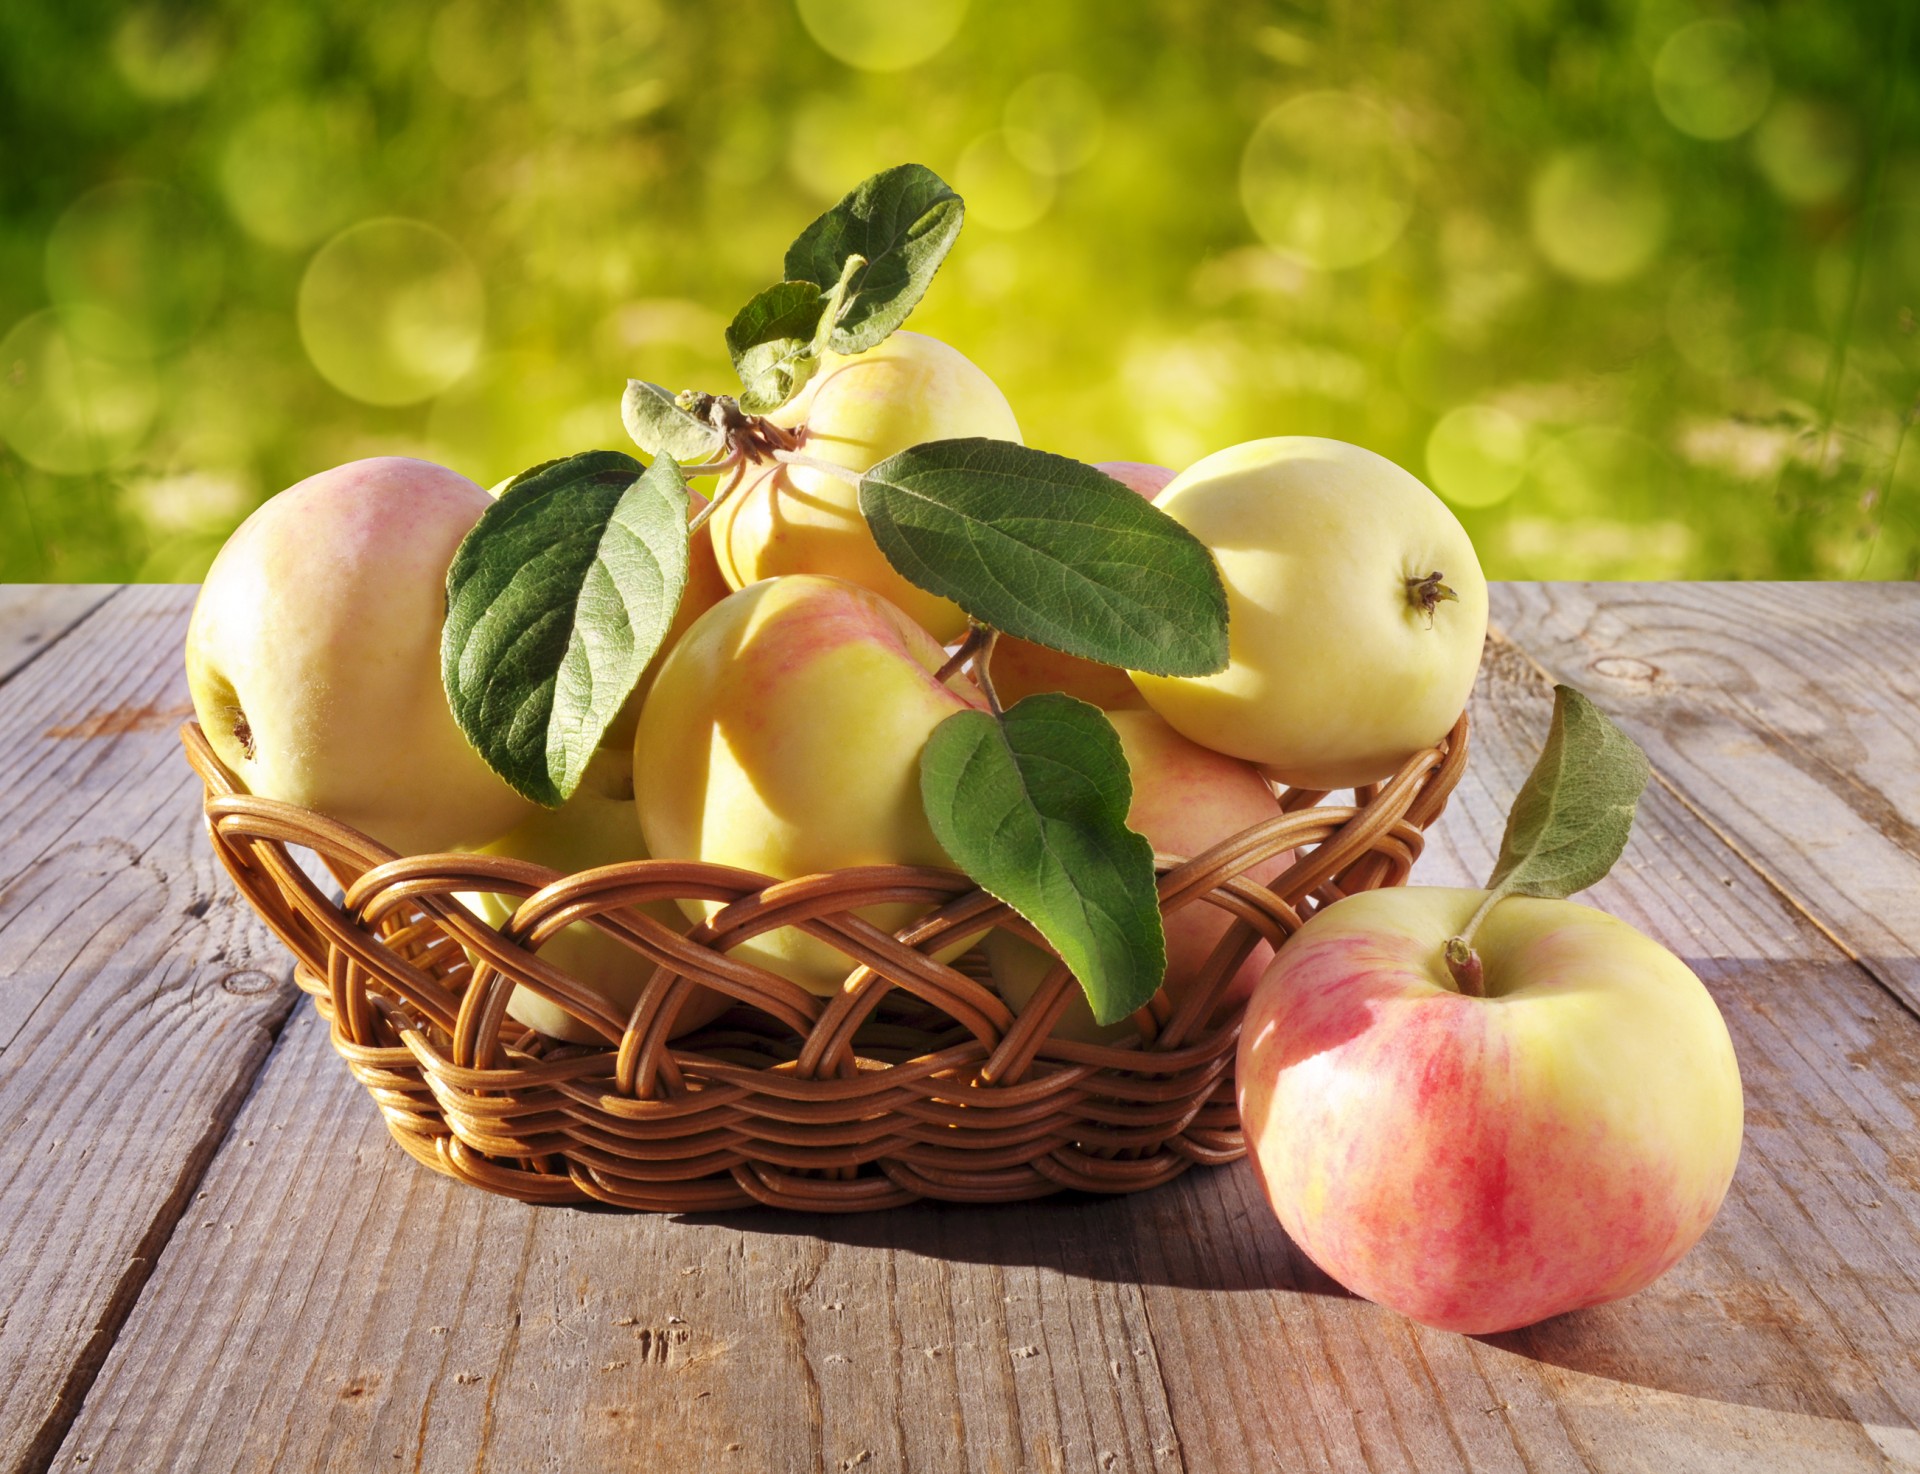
857, 410
1356, 611
783, 736
313, 656
1186, 799
596, 826
1483, 1163
1021, 668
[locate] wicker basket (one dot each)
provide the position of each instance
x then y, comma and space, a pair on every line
915, 1081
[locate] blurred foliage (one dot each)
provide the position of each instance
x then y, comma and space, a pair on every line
1633, 284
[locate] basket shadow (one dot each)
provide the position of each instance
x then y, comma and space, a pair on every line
1210, 1229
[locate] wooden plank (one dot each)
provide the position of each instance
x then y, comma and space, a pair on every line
330, 1304
33, 616
137, 998
1787, 714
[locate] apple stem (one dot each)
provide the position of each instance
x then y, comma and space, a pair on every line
735, 466
1427, 594
814, 463
963, 652
1463, 963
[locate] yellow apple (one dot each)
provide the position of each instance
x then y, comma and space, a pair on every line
597, 826
1021, 668
313, 656
1345, 658
783, 735
857, 411
1484, 1163
1186, 799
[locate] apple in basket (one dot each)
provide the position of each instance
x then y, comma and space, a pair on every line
1356, 611
856, 410
596, 826
783, 736
313, 656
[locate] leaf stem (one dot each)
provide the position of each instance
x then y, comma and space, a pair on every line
814, 463
1463, 963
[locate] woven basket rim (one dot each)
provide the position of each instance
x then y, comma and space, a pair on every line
987, 1105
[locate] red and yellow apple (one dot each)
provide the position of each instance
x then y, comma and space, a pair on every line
1021, 668
313, 656
1483, 1163
783, 736
1345, 655
857, 410
1186, 799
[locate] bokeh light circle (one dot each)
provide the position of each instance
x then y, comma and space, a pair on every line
1809, 154
1712, 79
165, 53
882, 35
1597, 217
1327, 180
146, 255
65, 407
1054, 123
292, 171
1476, 455
391, 311
1001, 192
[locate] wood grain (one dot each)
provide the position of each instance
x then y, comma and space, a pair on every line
34, 616
137, 997
327, 1304
1788, 714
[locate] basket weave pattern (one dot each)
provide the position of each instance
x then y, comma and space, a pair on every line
915, 1081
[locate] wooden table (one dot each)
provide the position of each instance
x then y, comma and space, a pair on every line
212, 1257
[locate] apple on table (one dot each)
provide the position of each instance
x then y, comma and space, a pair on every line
1486, 1107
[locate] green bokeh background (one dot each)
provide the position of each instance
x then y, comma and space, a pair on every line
1633, 284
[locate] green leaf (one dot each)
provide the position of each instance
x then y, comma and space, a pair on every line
556, 601
1033, 805
1572, 816
903, 222
662, 425
774, 341
1052, 551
